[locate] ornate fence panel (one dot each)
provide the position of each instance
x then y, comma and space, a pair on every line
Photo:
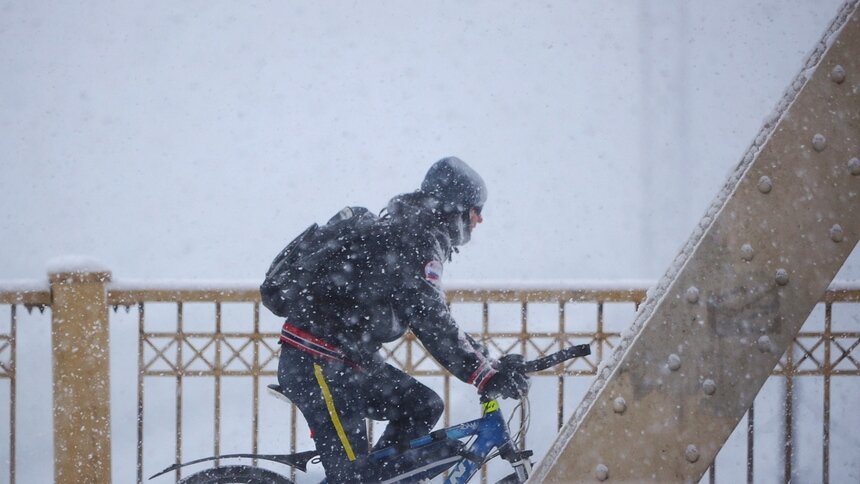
7, 378
218, 343
11, 302
506, 320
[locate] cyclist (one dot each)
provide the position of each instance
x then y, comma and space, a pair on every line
330, 365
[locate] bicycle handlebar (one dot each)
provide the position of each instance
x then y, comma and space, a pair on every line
557, 357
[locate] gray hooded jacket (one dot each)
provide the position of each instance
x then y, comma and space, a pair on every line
390, 282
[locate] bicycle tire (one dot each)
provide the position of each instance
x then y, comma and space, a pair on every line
236, 475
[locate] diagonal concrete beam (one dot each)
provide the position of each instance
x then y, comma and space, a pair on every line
712, 331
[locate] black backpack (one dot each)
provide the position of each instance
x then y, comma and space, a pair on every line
311, 259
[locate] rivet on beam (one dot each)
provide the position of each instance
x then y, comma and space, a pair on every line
819, 142
692, 295
836, 233
854, 166
674, 362
764, 184
837, 75
601, 472
747, 252
709, 387
691, 453
781, 277
763, 343
619, 405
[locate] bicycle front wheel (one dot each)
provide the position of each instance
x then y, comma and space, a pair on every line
236, 475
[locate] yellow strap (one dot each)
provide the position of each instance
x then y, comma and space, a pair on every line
329, 403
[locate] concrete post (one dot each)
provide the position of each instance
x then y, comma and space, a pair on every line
80, 345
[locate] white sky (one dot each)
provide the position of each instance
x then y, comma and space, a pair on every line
193, 139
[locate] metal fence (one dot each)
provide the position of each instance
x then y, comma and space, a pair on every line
11, 302
182, 354
175, 346
7, 376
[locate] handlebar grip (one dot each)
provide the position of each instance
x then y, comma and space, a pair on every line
557, 357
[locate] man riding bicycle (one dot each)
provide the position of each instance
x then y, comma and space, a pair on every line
386, 280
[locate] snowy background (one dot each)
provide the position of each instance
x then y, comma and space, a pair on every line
191, 140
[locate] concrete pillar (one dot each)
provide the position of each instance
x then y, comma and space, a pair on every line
80, 344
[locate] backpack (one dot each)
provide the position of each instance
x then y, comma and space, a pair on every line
310, 259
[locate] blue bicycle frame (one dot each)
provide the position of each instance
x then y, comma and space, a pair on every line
491, 432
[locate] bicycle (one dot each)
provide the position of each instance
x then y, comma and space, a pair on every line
421, 459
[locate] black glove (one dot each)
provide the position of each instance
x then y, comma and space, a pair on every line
510, 381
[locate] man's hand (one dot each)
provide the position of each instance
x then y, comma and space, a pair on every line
510, 381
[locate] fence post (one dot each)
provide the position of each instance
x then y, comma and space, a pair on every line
81, 354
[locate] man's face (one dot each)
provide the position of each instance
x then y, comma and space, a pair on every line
474, 218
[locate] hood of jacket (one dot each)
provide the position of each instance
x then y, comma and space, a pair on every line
418, 215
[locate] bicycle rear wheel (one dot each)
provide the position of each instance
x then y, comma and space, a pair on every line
236, 475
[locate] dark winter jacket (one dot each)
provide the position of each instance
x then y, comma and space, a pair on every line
390, 281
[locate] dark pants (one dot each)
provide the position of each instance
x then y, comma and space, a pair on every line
336, 398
